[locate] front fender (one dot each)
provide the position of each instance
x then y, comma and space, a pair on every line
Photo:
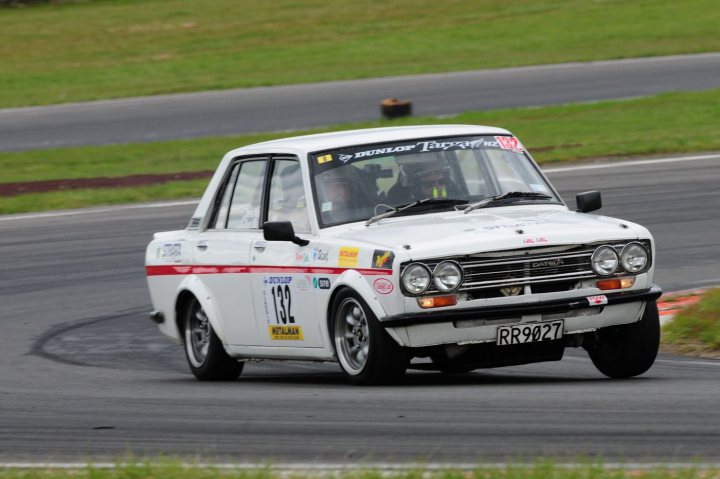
354, 280
357, 282
194, 285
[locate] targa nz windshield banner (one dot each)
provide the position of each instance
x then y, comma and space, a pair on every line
327, 160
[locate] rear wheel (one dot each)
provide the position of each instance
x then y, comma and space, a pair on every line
204, 351
628, 350
366, 353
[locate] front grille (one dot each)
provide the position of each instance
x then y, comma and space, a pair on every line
542, 269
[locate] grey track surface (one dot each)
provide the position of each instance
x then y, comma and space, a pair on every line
305, 106
84, 375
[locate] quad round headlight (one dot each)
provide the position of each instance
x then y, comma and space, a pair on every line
416, 278
634, 258
604, 260
447, 276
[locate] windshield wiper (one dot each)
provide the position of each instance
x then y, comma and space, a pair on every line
424, 201
504, 196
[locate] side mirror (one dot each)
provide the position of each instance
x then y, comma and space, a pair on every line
588, 201
282, 231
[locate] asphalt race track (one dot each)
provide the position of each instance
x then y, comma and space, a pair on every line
85, 376
297, 107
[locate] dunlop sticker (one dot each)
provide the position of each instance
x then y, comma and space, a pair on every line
285, 333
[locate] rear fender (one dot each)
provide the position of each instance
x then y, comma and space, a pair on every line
194, 285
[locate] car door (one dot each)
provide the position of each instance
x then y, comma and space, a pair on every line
223, 249
282, 272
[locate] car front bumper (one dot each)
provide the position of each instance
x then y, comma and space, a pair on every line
479, 324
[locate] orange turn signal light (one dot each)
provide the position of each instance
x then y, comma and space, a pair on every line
615, 283
437, 301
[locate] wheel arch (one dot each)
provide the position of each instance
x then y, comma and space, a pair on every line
352, 281
193, 288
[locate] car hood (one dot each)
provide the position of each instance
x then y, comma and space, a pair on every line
455, 233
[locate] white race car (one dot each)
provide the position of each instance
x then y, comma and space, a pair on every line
441, 245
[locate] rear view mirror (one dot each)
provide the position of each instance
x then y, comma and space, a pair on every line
588, 201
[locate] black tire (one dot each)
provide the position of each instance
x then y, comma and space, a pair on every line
628, 350
366, 353
204, 351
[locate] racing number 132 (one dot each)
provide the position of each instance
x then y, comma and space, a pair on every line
282, 293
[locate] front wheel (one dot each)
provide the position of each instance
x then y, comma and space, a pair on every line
628, 350
204, 351
366, 353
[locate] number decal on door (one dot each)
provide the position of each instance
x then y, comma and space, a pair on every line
282, 296
278, 298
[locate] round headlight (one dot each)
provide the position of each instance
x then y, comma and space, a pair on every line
634, 258
416, 278
447, 276
604, 260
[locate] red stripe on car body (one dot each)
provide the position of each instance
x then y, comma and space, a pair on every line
172, 270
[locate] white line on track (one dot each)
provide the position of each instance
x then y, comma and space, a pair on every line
329, 468
112, 209
620, 164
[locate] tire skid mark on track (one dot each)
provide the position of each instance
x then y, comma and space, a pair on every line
39, 346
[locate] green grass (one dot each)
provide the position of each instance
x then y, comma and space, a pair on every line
70, 51
539, 470
667, 123
696, 329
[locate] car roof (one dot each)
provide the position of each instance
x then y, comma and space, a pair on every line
340, 139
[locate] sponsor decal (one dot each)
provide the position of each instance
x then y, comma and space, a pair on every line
509, 143
285, 333
277, 280
385, 151
348, 256
383, 286
541, 239
382, 259
319, 255
303, 284
454, 145
321, 283
302, 257
170, 251
597, 300
462, 143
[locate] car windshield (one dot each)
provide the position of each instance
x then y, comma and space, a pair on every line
357, 183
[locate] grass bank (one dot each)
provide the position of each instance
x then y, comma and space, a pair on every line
696, 329
543, 470
67, 51
667, 123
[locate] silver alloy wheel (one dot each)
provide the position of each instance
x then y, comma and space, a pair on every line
352, 336
197, 337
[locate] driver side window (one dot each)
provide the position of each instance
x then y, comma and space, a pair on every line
287, 195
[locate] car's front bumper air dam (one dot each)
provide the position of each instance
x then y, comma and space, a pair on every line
510, 311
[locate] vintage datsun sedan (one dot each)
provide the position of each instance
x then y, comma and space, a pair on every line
441, 245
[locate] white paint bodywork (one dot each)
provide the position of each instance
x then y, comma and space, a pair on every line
237, 302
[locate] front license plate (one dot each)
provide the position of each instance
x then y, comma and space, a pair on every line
529, 333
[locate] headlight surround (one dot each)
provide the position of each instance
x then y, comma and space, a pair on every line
605, 260
634, 258
416, 278
447, 276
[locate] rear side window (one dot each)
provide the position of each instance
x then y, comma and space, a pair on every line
239, 206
